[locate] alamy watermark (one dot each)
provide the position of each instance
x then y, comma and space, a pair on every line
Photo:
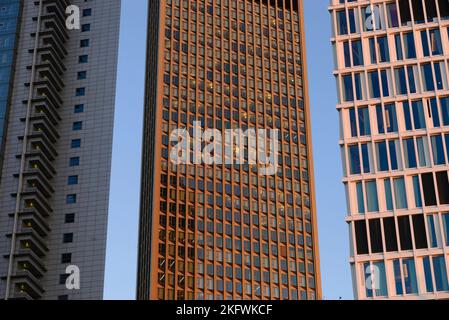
254, 147
73, 21
73, 280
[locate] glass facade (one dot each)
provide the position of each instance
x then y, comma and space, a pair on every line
392, 76
225, 231
9, 20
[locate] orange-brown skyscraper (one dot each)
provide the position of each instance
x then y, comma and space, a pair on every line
218, 222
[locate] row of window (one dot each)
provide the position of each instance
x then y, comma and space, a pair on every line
427, 190
404, 276
387, 155
376, 50
392, 14
390, 82
401, 234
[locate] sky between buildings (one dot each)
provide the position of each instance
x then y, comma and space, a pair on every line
121, 263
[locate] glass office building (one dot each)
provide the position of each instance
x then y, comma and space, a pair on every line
9, 22
213, 231
393, 90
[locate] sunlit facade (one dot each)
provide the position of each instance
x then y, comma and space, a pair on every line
221, 232
393, 87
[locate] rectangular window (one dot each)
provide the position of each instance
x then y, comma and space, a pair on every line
80, 92
84, 43
72, 180
364, 121
360, 198
443, 187
82, 75
418, 115
405, 272
375, 236
77, 126
439, 268
71, 199
74, 162
354, 158
388, 195
400, 193
83, 59
446, 227
382, 157
76, 143
361, 237
410, 153
428, 187
67, 238
371, 196
419, 231
390, 235
417, 192
79, 108
342, 24
438, 150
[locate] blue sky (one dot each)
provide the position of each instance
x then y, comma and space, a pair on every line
121, 260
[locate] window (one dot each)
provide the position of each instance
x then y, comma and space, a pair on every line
63, 278
71, 199
390, 235
375, 272
69, 218
84, 43
83, 59
361, 237
82, 75
87, 12
74, 162
66, 258
72, 180
438, 265
382, 157
76, 143
342, 25
417, 192
80, 92
428, 188
376, 236
409, 46
354, 157
360, 197
67, 238
364, 121
371, 196
79, 108
410, 153
85, 27
400, 193
392, 14
348, 91
443, 187
388, 195
77, 126
404, 271
446, 227
438, 150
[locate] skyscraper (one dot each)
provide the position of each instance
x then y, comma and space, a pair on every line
392, 82
56, 119
220, 230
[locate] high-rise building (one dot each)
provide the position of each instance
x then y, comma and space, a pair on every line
57, 94
393, 90
227, 231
